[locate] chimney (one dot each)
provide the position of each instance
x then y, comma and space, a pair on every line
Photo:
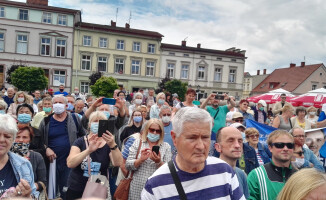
183, 43
303, 64
127, 25
258, 72
113, 24
292, 65
264, 71
38, 2
198, 45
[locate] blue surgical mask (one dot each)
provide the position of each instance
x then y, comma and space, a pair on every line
107, 114
153, 137
138, 119
160, 101
24, 118
2, 112
94, 127
70, 107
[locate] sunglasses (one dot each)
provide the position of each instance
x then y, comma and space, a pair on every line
280, 145
254, 136
238, 120
300, 153
166, 115
152, 130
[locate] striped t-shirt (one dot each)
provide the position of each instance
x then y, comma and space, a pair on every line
216, 181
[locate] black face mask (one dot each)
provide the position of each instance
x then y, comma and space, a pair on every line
61, 90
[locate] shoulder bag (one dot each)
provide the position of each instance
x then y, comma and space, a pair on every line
176, 181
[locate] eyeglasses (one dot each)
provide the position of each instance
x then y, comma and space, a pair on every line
238, 120
254, 136
300, 153
280, 145
299, 136
152, 130
166, 115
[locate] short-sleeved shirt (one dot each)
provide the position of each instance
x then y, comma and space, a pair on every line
63, 93
220, 118
77, 181
7, 178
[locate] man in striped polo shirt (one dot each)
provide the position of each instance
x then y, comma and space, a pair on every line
201, 177
266, 181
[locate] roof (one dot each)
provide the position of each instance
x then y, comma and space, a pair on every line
120, 30
287, 78
246, 74
201, 50
38, 7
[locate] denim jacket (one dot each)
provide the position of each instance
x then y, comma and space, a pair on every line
250, 157
23, 170
309, 157
264, 152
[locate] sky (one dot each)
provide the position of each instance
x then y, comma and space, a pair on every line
274, 33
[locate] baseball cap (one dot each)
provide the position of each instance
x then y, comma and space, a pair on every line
237, 125
262, 102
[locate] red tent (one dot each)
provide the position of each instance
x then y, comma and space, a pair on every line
314, 98
271, 96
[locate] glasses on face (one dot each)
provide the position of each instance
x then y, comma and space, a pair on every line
238, 120
280, 145
299, 136
166, 115
300, 153
152, 130
254, 136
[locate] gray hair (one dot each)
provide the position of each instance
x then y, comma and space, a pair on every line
79, 100
8, 125
138, 94
60, 96
165, 107
3, 104
295, 128
190, 115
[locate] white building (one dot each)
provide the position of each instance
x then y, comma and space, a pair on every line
205, 70
35, 34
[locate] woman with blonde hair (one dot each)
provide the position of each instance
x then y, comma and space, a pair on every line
307, 183
283, 121
312, 115
20, 98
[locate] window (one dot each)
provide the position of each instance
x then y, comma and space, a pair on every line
136, 47
87, 40
234, 60
120, 45
101, 64
170, 70
59, 78
314, 87
86, 62
103, 43
23, 14
324, 87
201, 73
61, 48
218, 58
21, 44
150, 68
46, 18
202, 56
135, 67
2, 42
2, 12
45, 46
84, 87
186, 55
171, 53
151, 48
184, 71
232, 76
119, 65
218, 74
62, 20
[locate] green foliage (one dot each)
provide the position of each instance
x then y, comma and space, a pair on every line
94, 77
177, 86
161, 85
105, 86
11, 70
29, 79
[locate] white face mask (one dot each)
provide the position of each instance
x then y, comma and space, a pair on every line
59, 108
298, 162
20, 99
166, 119
138, 101
312, 113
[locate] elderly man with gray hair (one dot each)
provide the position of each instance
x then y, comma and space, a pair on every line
194, 174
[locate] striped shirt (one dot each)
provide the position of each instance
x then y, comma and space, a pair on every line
216, 181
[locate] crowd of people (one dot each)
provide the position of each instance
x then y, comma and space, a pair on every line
172, 149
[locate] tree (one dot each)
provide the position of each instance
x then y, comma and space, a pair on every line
177, 86
105, 86
11, 70
161, 85
29, 79
94, 77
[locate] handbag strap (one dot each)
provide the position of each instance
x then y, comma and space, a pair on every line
132, 173
176, 181
44, 189
88, 159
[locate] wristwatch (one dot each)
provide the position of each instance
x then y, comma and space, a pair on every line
114, 148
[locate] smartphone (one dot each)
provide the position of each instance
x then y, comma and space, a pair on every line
110, 101
156, 149
219, 97
102, 127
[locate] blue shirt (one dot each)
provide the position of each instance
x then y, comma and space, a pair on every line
58, 92
8, 100
35, 101
7, 178
168, 137
59, 140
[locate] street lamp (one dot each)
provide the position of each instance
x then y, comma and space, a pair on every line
197, 91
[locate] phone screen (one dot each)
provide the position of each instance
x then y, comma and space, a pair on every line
102, 127
156, 149
109, 101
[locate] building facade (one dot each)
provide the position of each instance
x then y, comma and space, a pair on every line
205, 70
35, 34
131, 56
